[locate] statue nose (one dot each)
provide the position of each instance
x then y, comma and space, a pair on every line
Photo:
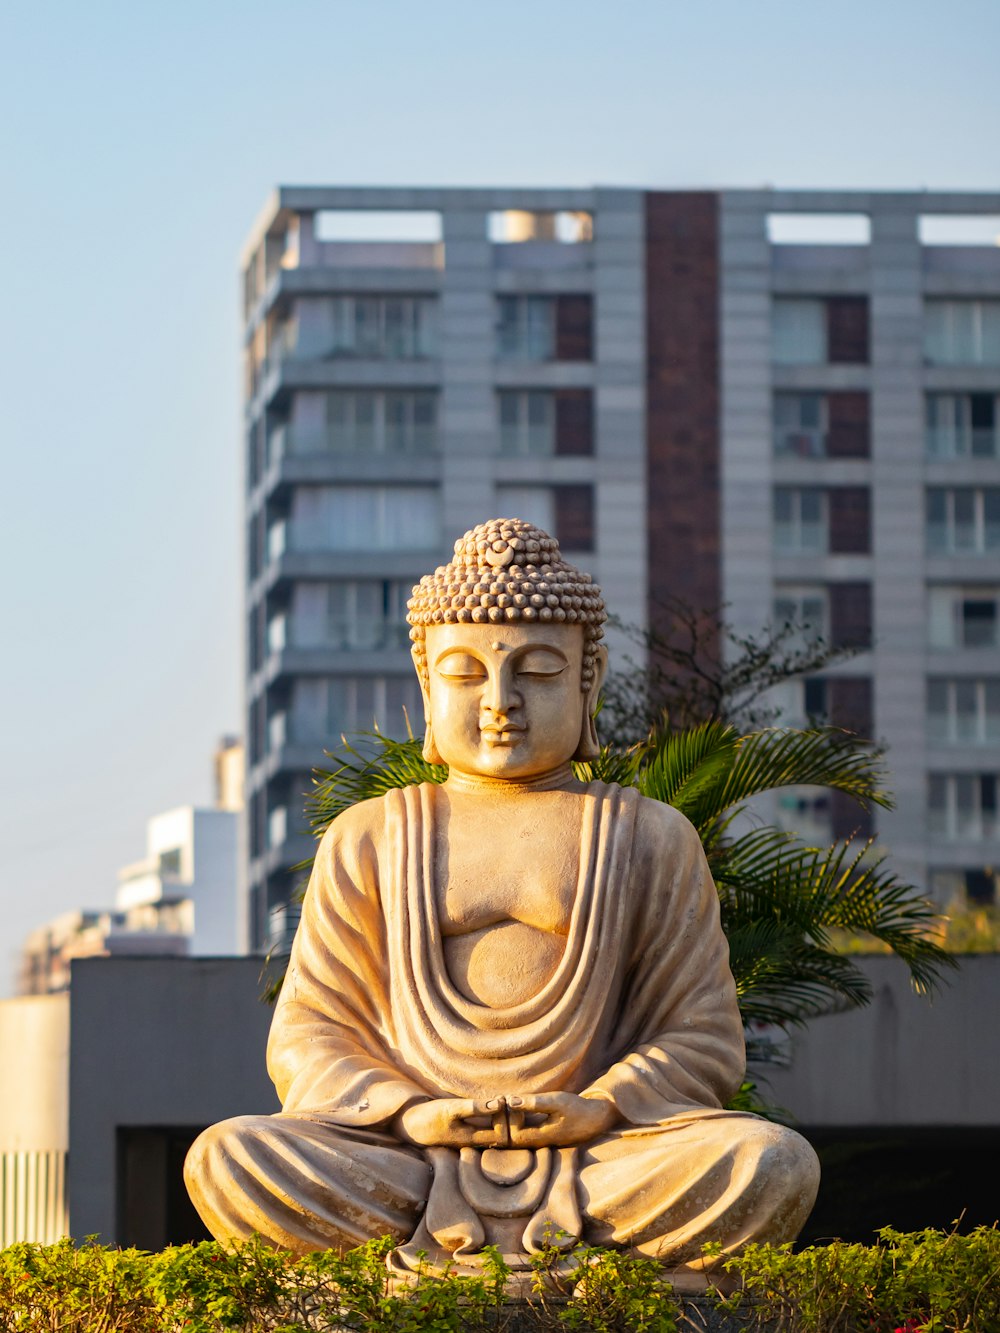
500, 697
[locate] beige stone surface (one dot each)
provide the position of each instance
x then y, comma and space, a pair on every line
508, 1016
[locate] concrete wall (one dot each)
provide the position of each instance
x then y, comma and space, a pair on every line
157, 1042
905, 1060
34, 1045
34, 1118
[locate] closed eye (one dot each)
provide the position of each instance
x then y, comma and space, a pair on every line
460, 666
540, 664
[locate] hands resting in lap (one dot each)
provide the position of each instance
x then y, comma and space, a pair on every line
540, 1120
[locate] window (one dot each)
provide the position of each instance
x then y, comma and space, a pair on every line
963, 520
362, 421
800, 703
798, 332
544, 328
322, 708
963, 711
806, 608
800, 425
389, 327
809, 331
800, 520
962, 425
817, 425
964, 617
963, 806
350, 615
362, 518
170, 862
526, 328
527, 422
539, 423
962, 333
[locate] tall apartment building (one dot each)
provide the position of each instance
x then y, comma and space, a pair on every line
694, 398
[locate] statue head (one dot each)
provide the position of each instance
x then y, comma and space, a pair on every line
506, 643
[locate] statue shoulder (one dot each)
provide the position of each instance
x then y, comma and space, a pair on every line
663, 827
366, 821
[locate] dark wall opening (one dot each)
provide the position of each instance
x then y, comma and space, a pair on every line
905, 1178
154, 1209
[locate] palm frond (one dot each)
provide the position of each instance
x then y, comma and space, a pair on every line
683, 768
358, 776
782, 978
612, 765
771, 876
816, 756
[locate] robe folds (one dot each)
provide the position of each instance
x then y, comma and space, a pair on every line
641, 1011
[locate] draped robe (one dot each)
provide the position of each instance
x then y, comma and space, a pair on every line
640, 1011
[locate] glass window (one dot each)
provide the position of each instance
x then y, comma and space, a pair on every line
798, 331
347, 615
963, 520
394, 327
961, 425
963, 711
360, 518
527, 422
806, 608
963, 617
962, 332
526, 328
800, 425
962, 807
800, 520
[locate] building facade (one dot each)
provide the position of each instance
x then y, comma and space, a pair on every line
785, 402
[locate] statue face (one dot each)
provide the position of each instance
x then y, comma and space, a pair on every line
505, 700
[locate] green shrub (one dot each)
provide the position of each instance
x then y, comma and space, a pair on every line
932, 1281
252, 1289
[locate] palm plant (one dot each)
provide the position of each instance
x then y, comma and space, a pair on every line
784, 903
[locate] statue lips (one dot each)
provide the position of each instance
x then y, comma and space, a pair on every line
505, 735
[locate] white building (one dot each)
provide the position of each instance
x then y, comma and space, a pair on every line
183, 898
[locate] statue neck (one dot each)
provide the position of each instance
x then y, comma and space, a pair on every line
554, 780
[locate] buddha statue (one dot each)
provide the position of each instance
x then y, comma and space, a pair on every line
508, 1016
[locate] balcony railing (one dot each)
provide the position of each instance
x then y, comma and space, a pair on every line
336, 633
980, 442
299, 442
800, 443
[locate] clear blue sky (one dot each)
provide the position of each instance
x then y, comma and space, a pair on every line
139, 143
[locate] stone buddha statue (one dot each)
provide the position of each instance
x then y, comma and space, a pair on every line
508, 1016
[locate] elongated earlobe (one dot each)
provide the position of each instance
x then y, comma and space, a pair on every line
590, 746
430, 750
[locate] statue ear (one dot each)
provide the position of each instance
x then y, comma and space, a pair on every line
589, 746
430, 750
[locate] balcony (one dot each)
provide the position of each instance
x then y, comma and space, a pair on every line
800, 443
947, 444
336, 633
290, 441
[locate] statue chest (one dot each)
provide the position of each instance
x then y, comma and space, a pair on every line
504, 904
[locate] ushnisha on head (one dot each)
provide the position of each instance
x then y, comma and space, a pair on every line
508, 573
